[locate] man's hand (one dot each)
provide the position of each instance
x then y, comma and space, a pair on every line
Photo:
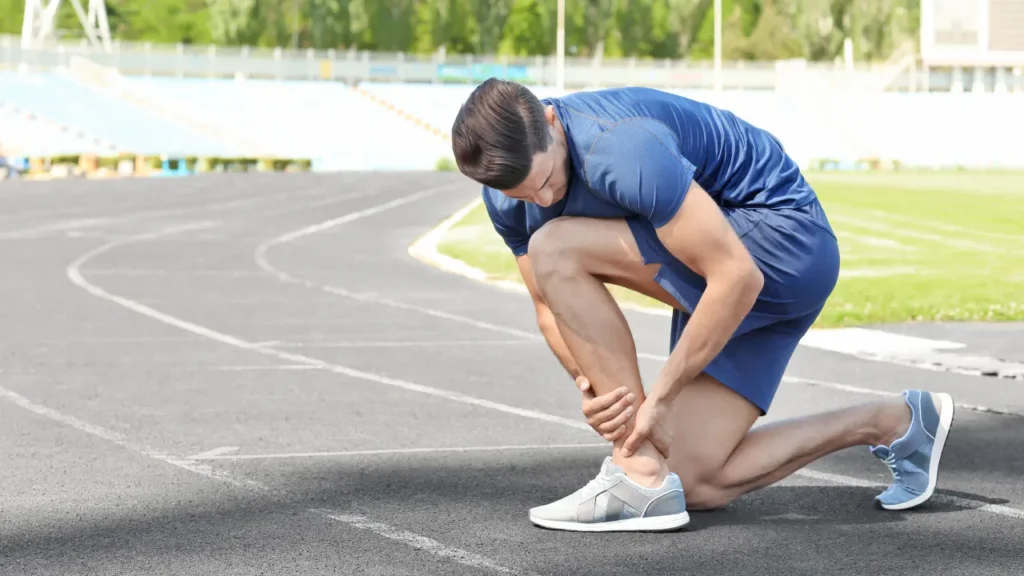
651, 425
606, 414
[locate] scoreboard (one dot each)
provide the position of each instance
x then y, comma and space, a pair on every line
985, 33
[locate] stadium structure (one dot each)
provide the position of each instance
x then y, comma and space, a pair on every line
103, 107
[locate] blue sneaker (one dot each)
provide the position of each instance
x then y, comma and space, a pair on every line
914, 458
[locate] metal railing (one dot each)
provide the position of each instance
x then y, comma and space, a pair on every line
352, 66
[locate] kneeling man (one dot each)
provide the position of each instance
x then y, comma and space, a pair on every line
693, 206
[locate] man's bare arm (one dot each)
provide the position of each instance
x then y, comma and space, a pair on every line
701, 237
546, 320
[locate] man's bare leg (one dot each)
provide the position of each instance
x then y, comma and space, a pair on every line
719, 458
571, 260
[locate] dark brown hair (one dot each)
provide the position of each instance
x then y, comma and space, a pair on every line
496, 133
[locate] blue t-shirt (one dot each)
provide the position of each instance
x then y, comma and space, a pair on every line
635, 151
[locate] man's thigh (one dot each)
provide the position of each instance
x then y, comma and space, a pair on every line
604, 247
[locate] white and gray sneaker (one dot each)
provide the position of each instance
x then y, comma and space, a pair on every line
612, 502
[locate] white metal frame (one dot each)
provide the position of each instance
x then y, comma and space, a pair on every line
38, 24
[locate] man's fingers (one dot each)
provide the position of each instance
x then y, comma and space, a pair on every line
612, 412
604, 425
594, 406
613, 436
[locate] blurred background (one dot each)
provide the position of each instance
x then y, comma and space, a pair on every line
171, 87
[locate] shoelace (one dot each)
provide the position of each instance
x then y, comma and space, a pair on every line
890, 461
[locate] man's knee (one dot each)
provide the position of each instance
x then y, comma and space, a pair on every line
552, 251
705, 491
705, 495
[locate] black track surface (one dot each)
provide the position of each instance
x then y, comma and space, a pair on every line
146, 322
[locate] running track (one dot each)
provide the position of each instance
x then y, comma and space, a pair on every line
247, 374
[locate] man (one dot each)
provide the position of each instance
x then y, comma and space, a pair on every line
690, 205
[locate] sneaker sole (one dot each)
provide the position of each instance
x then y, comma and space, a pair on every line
947, 409
665, 523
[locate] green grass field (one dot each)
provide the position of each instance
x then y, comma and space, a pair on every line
916, 246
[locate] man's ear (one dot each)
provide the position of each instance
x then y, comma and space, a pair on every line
549, 114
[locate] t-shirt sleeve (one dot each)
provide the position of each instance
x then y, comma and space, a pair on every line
637, 165
508, 221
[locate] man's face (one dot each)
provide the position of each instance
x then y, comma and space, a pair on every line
549, 176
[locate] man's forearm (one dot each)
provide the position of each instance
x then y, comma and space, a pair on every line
548, 327
722, 308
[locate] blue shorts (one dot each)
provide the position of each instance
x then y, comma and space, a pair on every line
797, 252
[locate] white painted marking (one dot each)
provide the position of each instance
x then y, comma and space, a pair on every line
210, 454
404, 344
877, 272
839, 386
856, 341
936, 497
74, 274
395, 451
120, 440
946, 240
877, 241
421, 543
171, 272
425, 250
258, 367
66, 225
403, 536
945, 227
260, 256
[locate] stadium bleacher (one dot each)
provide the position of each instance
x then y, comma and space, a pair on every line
104, 116
24, 135
402, 126
327, 121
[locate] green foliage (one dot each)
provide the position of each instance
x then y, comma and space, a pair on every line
446, 164
752, 29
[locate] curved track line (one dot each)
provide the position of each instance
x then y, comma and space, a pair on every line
424, 249
74, 274
260, 256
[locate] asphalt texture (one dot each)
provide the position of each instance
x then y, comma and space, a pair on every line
248, 374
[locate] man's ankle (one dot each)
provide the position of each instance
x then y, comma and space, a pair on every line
647, 467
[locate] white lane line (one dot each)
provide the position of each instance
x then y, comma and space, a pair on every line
394, 451
856, 341
260, 256
62, 226
875, 241
421, 543
882, 272
257, 367
171, 272
956, 501
120, 440
211, 454
429, 242
425, 250
404, 344
75, 275
946, 240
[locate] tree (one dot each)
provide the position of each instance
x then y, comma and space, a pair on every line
525, 31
